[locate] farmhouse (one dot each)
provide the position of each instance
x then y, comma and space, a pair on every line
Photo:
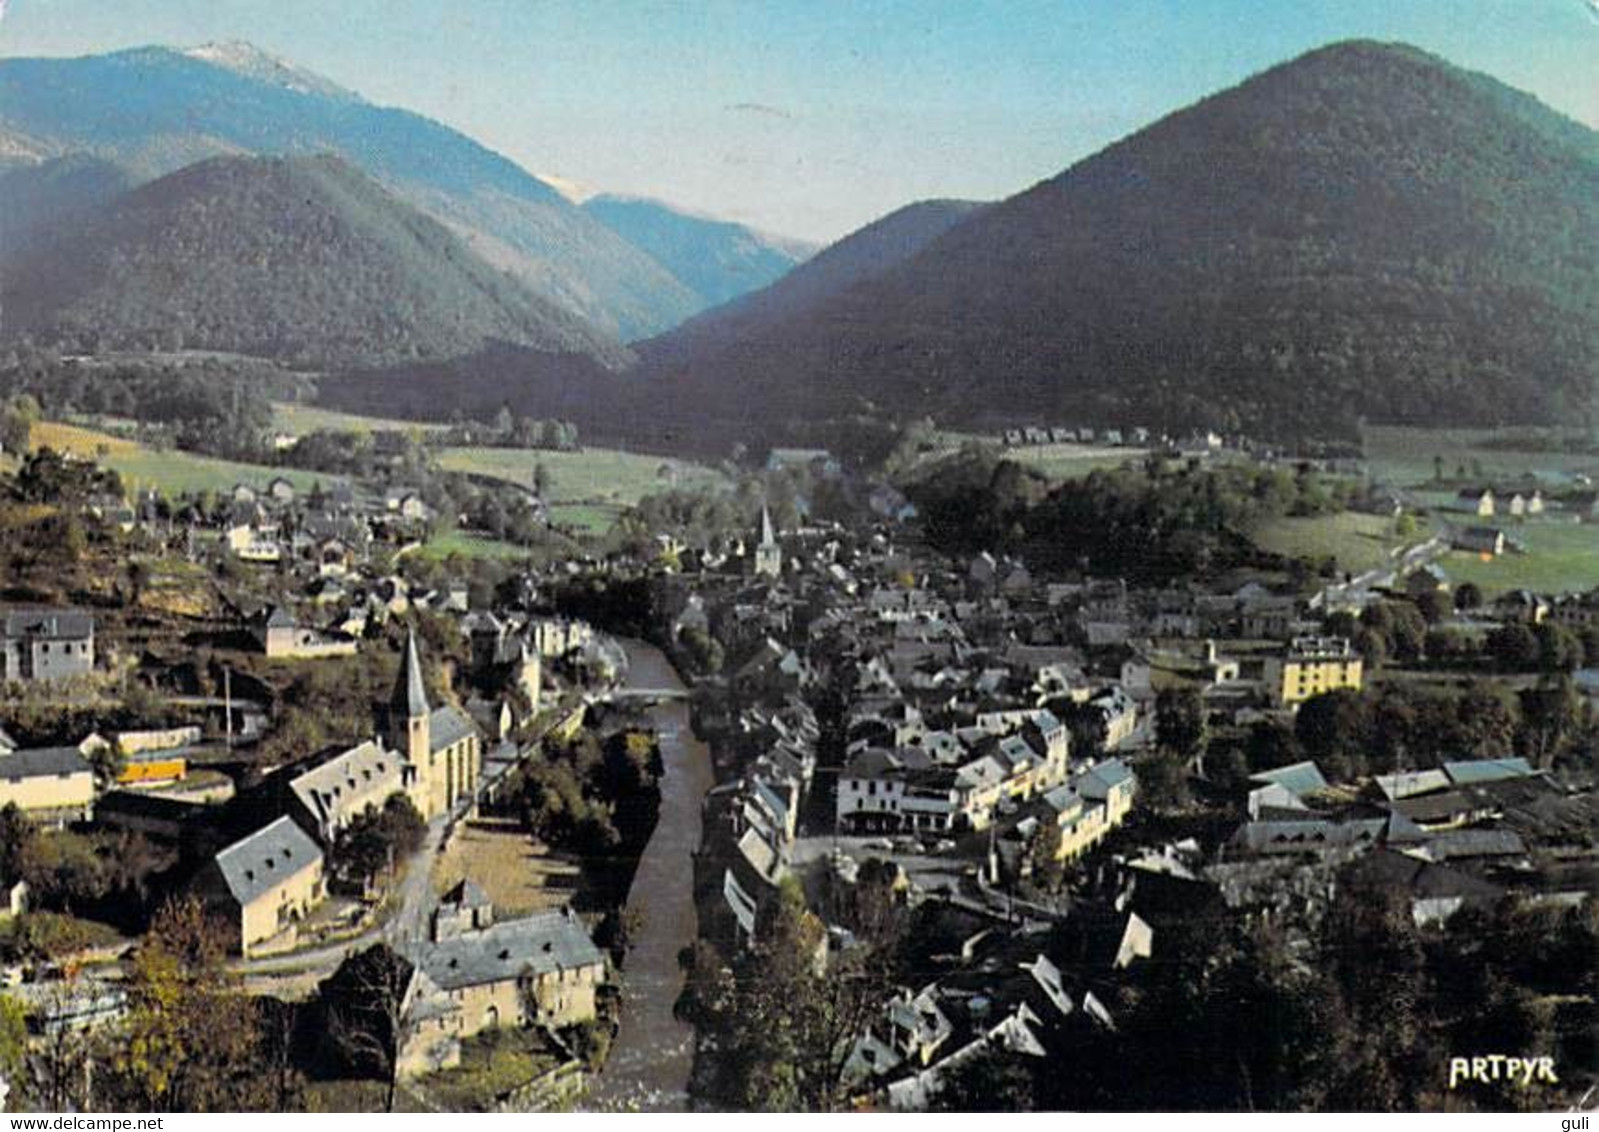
1479, 540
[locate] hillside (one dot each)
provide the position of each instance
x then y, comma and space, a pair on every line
52, 192
302, 259
631, 405
1364, 232
154, 110
716, 259
861, 255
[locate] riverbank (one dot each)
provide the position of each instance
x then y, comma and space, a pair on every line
652, 1058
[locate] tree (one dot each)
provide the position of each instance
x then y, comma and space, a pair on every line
378, 840
19, 839
190, 1043
788, 1020
1550, 717
1433, 606
542, 482
1269, 745
1180, 720
364, 1001
13, 1045
1163, 781
1559, 649
1468, 596
1333, 724
1513, 647
994, 1080
17, 419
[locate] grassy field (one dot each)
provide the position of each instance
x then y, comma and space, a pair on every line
1072, 461
172, 471
1561, 557
588, 489
471, 546
520, 875
1404, 456
1359, 542
300, 419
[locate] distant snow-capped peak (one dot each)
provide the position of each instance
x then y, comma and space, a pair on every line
249, 60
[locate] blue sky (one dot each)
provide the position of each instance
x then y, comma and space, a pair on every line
812, 118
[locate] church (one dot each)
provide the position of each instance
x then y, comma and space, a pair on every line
441, 755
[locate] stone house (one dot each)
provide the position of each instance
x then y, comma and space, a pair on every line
266, 884
477, 974
45, 644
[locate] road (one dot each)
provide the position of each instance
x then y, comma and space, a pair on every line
650, 1062
406, 923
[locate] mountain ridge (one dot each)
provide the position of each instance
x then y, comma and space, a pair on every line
1363, 231
154, 110
305, 259
716, 259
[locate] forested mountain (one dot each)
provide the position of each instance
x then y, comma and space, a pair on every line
716, 259
52, 192
626, 405
154, 110
861, 255
304, 259
1365, 231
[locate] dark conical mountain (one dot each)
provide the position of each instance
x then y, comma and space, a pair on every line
863, 254
716, 259
1366, 231
304, 259
154, 110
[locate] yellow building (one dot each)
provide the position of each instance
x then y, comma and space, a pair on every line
152, 769
1313, 666
440, 747
49, 784
266, 883
476, 975
1095, 802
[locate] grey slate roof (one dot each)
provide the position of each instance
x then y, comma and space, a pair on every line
410, 693
48, 624
266, 858
43, 762
1102, 779
1298, 779
540, 944
448, 725
1486, 770
363, 775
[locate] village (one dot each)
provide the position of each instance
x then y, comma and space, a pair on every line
991, 803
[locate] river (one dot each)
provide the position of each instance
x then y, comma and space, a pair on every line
650, 1062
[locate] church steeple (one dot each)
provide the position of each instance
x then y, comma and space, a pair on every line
408, 711
410, 697
769, 554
